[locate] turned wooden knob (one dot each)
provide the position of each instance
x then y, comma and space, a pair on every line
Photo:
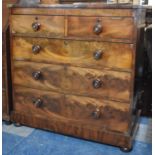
37, 103
97, 83
36, 49
97, 29
35, 26
98, 54
36, 75
96, 114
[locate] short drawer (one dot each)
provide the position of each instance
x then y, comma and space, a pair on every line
78, 53
82, 81
107, 28
83, 111
52, 26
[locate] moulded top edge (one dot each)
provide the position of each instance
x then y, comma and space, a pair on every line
79, 5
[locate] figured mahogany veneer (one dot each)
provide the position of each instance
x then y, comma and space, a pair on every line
114, 85
73, 69
89, 11
84, 111
47, 25
111, 27
68, 26
76, 53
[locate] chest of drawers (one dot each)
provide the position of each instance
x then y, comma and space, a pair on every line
73, 69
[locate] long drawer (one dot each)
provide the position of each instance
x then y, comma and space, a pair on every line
37, 25
83, 81
78, 53
85, 111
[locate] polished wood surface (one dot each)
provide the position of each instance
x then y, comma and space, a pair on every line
63, 127
115, 85
62, 27
75, 12
112, 27
74, 109
75, 73
49, 25
76, 53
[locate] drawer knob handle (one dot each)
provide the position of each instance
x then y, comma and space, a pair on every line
36, 49
97, 29
98, 54
97, 83
36, 75
96, 114
35, 26
37, 103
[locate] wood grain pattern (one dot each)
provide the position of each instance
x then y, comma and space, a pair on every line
113, 28
63, 127
100, 12
68, 69
75, 12
115, 85
50, 25
76, 53
74, 109
39, 11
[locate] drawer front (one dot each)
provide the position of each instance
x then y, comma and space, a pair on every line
91, 82
106, 28
84, 111
77, 53
52, 26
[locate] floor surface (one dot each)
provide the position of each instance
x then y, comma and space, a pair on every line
29, 141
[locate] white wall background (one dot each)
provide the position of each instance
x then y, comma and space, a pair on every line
150, 2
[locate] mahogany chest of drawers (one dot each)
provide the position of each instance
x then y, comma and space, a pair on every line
73, 69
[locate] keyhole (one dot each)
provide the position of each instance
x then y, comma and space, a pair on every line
98, 20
